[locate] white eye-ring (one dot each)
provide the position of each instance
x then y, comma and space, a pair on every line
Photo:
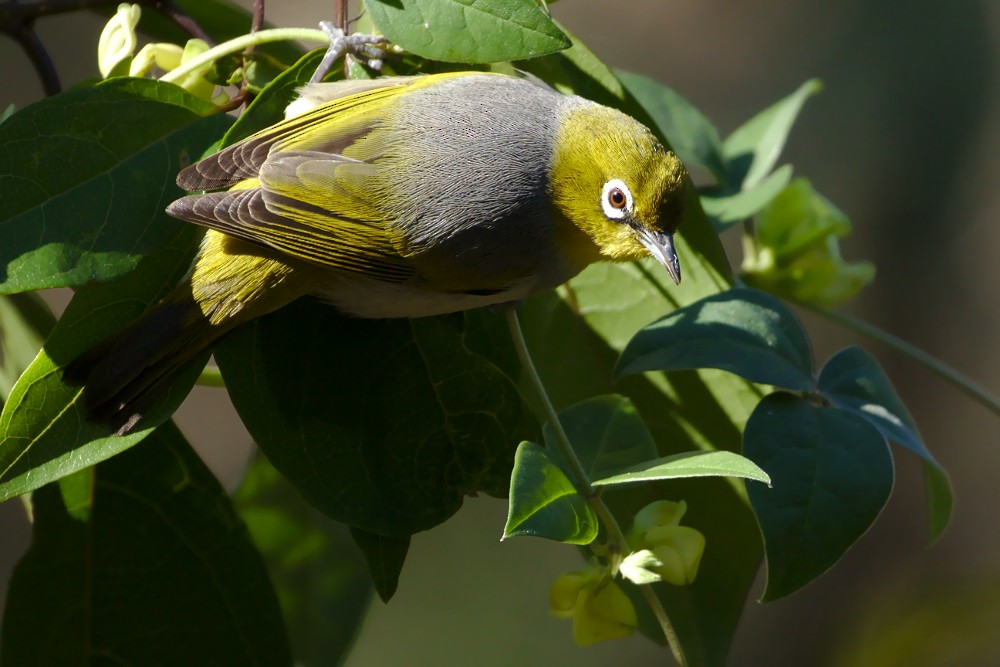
616, 199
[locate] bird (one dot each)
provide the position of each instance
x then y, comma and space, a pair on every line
397, 197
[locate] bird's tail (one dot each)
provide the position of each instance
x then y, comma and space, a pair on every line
231, 282
123, 375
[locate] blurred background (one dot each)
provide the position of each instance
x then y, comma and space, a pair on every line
905, 139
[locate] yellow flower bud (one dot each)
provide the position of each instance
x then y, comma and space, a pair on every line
599, 608
118, 39
663, 550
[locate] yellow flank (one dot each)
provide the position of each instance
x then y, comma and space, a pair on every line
231, 275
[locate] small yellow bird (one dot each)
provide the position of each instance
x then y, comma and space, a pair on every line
398, 197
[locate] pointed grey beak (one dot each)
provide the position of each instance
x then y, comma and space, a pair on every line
661, 246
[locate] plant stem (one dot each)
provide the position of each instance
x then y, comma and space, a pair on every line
961, 382
238, 44
616, 538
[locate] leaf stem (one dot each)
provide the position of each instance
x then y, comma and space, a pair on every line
239, 43
616, 538
961, 382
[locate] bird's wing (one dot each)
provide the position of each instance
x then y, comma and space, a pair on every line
293, 189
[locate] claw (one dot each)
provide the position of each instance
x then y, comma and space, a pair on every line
371, 48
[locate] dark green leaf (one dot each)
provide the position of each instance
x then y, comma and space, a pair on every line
320, 578
385, 556
752, 149
688, 464
743, 331
382, 424
44, 433
831, 473
468, 31
607, 434
854, 381
727, 210
85, 177
161, 572
690, 133
545, 503
25, 322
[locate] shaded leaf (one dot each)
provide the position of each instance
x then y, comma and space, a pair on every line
854, 381
831, 473
44, 433
544, 502
432, 422
85, 177
752, 149
320, 578
25, 322
162, 572
385, 556
689, 464
728, 209
607, 434
469, 31
743, 331
692, 136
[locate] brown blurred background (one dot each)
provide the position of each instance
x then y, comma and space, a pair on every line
905, 139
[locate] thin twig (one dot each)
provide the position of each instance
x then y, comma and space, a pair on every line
616, 538
961, 382
188, 24
40, 59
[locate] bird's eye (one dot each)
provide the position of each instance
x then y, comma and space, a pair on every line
616, 199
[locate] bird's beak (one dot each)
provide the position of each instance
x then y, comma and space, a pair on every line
661, 246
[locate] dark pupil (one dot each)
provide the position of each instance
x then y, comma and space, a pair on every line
617, 198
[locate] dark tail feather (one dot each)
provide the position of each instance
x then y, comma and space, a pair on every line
123, 375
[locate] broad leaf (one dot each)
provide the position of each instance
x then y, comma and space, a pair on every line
831, 473
688, 464
854, 381
320, 578
44, 432
752, 149
159, 571
545, 503
743, 331
607, 434
25, 322
385, 556
469, 31
382, 424
85, 177
728, 209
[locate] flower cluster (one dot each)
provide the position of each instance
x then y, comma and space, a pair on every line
795, 253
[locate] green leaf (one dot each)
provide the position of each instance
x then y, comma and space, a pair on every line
752, 149
728, 209
44, 433
831, 473
743, 331
25, 322
607, 434
688, 464
468, 31
162, 572
320, 578
430, 422
85, 177
544, 502
385, 556
692, 136
853, 381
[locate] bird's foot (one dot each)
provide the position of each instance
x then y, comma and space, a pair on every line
370, 48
